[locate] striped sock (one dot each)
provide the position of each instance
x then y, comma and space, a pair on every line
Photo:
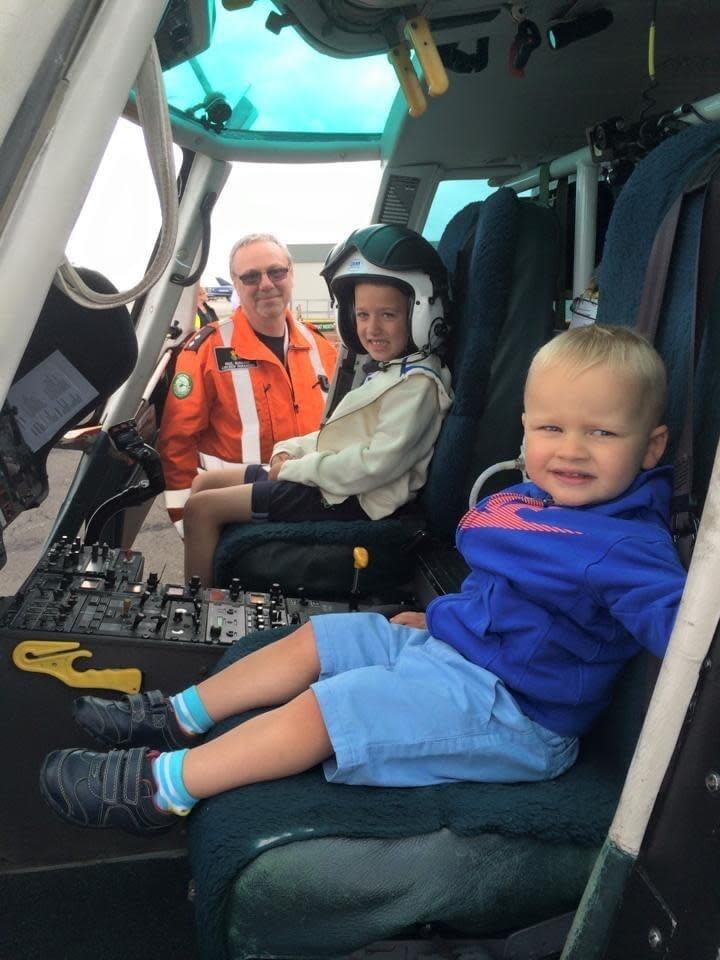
171, 794
190, 711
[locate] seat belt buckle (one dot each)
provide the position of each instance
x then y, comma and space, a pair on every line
683, 519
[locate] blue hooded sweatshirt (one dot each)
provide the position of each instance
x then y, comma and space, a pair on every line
559, 598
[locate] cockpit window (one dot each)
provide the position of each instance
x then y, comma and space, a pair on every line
451, 196
253, 79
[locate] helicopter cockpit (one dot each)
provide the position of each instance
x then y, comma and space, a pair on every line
539, 146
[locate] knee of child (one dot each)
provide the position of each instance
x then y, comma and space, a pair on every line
306, 636
199, 483
301, 648
193, 514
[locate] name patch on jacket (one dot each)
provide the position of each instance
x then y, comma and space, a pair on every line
227, 360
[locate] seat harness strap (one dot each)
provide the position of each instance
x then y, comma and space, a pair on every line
707, 264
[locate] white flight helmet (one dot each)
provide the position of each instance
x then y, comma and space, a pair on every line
396, 255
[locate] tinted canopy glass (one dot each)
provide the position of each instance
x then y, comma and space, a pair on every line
253, 79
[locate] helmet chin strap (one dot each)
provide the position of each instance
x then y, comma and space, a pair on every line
419, 353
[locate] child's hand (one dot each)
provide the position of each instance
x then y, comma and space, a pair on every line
275, 463
410, 618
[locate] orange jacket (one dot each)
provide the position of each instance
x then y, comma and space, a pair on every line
231, 400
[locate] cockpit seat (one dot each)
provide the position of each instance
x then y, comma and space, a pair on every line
672, 168
300, 867
501, 256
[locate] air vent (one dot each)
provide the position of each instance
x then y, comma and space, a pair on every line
398, 200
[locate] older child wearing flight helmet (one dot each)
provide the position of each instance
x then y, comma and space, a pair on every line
371, 455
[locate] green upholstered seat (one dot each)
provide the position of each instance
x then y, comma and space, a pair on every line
302, 868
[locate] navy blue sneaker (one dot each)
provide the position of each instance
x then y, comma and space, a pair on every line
104, 789
137, 720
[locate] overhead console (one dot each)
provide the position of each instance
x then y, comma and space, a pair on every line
618, 145
184, 31
364, 27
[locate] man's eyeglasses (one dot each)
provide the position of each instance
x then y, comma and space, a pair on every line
252, 277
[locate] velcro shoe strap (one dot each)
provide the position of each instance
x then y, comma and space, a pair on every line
122, 775
144, 705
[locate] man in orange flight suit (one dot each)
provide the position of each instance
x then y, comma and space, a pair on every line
244, 383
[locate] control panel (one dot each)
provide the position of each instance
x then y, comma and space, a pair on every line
78, 590
90, 619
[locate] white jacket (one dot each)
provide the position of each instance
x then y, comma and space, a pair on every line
379, 441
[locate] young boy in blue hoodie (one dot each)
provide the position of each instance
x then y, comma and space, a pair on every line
571, 575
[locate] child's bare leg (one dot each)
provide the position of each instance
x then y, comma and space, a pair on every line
276, 744
215, 479
268, 677
205, 514
138, 790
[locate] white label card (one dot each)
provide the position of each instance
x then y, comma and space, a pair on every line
47, 398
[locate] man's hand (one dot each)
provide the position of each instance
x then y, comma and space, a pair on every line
275, 463
410, 618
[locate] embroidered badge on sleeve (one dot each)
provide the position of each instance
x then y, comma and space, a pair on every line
182, 385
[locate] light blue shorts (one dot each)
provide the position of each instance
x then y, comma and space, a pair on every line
403, 709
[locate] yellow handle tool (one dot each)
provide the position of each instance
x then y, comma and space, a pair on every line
418, 35
56, 658
361, 559
399, 57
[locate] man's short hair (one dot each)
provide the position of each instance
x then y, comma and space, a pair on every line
251, 238
620, 349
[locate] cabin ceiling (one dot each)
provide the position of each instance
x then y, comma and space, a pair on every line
309, 77
493, 118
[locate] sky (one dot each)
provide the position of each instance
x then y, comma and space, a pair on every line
300, 203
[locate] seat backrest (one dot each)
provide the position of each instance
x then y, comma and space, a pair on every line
74, 360
637, 215
639, 211
99, 345
502, 259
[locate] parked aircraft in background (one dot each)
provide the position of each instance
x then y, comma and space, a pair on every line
223, 290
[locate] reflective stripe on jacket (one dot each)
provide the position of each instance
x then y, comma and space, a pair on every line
232, 400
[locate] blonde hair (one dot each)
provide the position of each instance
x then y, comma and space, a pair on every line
251, 238
618, 348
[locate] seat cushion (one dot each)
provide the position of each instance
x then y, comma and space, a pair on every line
319, 556
462, 886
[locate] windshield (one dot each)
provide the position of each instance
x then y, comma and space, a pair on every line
251, 78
